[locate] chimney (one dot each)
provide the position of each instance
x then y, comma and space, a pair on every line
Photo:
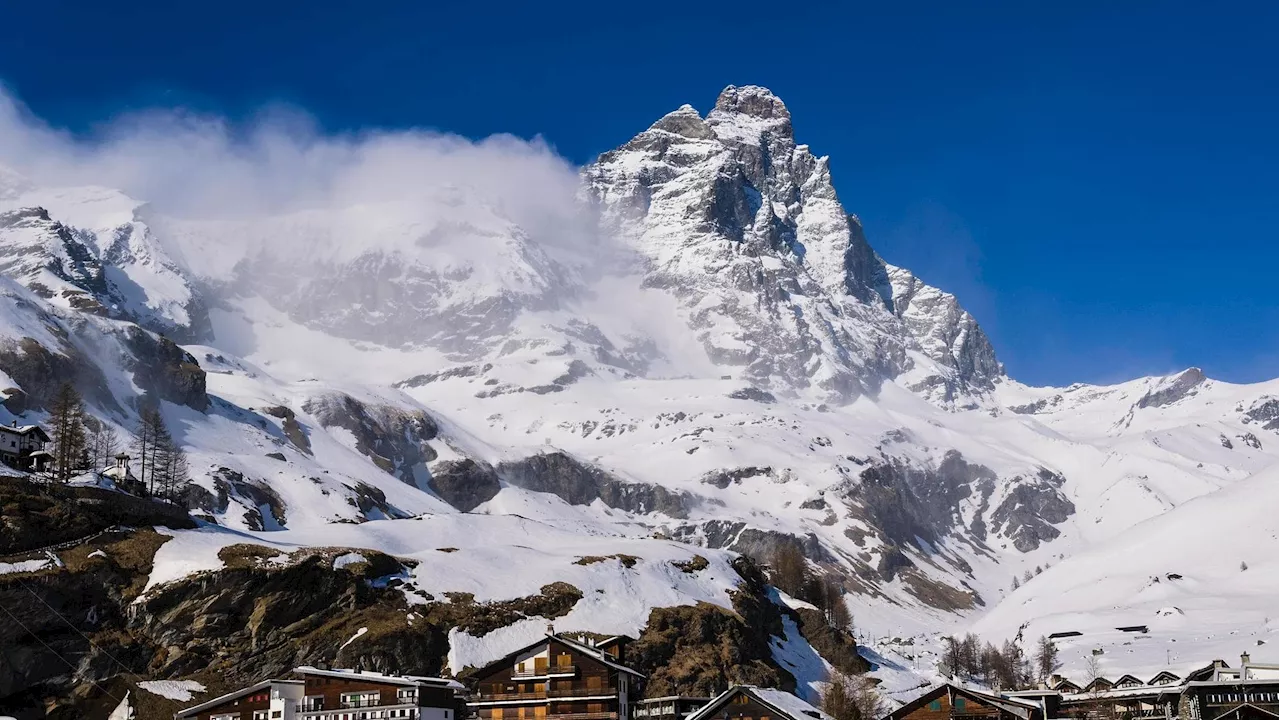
1244, 659
551, 629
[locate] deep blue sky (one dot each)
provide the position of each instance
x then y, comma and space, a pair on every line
1096, 181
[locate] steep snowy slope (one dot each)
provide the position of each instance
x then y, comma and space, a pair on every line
723, 365
1200, 578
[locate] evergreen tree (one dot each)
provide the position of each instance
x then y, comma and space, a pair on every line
1046, 658
789, 571
833, 605
146, 441
66, 425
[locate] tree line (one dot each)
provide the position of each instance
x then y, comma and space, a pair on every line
80, 442
789, 572
1006, 667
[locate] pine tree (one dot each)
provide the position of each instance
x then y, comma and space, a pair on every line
66, 425
790, 571
833, 605
145, 445
1046, 657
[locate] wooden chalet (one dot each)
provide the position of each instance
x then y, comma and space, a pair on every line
267, 700
1164, 677
951, 702
1127, 681
748, 702
1066, 687
22, 447
1097, 685
557, 678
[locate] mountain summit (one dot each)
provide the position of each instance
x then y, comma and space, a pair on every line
745, 227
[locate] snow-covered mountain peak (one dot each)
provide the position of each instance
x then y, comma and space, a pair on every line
741, 112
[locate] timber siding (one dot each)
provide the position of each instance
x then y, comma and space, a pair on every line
948, 702
554, 679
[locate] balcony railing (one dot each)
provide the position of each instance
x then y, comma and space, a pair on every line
543, 672
583, 716
485, 697
579, 690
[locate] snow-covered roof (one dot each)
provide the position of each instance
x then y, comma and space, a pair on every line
785, 703
22, 429
410, 680
187, 712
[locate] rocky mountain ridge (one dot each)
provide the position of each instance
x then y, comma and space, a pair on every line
744, 374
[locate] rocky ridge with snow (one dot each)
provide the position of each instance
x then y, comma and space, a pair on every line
736, 371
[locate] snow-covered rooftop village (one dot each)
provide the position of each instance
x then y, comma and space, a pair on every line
300, 424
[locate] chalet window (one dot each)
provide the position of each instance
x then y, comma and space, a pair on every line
259, 715
935, 705
959, 704
360, 699
228, 716
740, 700
407, 694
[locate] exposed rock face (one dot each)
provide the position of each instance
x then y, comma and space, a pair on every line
464, 484
946, 332
395, 439
1174, 389
165, 370
292, 430
264, 509
1266, 411
1031, 509
41, 372
117, 270
700, 650
579, 484
744, 227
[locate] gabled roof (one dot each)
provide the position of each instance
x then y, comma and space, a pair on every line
787, 706
1100, 683
26, 430
597, 654
1065, 683
1163, 677
1021, 707
594, 653
407, 680
232, 696
1129, 679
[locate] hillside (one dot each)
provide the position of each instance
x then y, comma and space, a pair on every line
709, 360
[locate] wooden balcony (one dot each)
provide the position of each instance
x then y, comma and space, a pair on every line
544, 672
486, 697
602, 715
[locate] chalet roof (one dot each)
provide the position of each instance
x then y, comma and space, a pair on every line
594, 652
1099, 682
408, 680
1130, 679
784, 703
1021, 707
25, 430
1064, 683
1162, 677
185, 712
1129, 692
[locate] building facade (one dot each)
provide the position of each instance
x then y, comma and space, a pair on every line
671, 707
556, 678
325, 694
22, 446
268, 700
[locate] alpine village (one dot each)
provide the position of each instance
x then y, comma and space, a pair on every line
587, 676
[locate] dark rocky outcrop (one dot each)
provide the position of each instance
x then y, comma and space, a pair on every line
166, 371
1167, 393
394, 438
465, 483
252, 494
1265, 410
723, 478
41, 372
754, 394
580, 484
761, 545
702, 649
292, 430
1029, 512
